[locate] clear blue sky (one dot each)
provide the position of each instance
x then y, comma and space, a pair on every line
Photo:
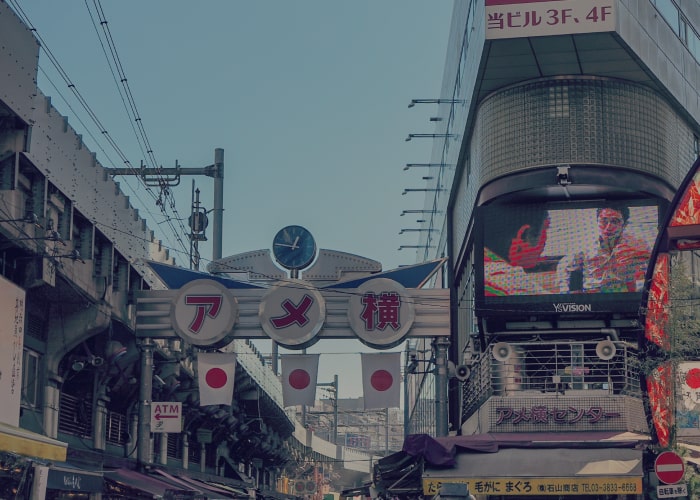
308, 99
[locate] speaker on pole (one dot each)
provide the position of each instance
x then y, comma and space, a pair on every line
462, 372
605, 350
502, 351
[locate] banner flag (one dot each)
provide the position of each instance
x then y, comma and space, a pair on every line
299, 373
215, 375
381, 380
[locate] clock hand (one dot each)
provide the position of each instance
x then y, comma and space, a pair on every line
285, 245
294, 245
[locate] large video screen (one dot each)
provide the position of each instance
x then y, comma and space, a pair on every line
564, 257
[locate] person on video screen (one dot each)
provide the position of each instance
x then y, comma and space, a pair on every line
512, 248
615, 263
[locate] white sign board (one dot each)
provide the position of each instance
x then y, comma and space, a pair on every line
526, 18
12, 305
688, 398
672, 490
166, 416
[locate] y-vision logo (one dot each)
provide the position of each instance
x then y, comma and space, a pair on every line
572, 308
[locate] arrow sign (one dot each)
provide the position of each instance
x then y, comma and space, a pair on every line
166, 417
669, 467
159, 416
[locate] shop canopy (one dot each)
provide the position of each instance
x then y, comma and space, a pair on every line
160, 484
30, 444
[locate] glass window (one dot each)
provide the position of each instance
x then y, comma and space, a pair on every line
669, 11
30, 378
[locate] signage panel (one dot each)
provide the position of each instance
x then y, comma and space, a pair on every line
523, 18
292, 313
669, 467
204, 312
166, 416
672, 490
542, 486
12, 306
688, 398
381, 313
154, 319
74, 480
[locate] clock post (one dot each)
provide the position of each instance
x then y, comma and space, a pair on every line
294, 248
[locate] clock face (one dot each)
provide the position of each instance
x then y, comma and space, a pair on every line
294, 247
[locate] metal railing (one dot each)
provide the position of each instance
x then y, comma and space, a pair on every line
554, 368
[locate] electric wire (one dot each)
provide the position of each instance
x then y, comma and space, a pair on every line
165, 193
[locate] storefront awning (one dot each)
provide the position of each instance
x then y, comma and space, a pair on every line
146, 483
188, 484
30, 444
232, 491
543, 472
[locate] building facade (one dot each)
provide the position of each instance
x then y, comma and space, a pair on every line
550, 113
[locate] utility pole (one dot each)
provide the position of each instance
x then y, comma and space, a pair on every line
334, 385
169, 177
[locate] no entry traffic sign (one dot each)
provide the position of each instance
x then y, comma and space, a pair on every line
669, 467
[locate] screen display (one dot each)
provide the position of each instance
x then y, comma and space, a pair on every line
562, 256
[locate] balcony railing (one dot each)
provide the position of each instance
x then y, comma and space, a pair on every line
552, 368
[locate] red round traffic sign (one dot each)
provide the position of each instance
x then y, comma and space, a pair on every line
669, 467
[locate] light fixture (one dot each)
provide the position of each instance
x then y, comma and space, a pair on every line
78, 365
417, 230
412, 165
412, 367
402, 247
411, 190
96, 360
434, 101
51, 235
29, 218
431, 136
419, 212
72, 255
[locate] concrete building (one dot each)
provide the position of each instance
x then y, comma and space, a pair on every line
553, 109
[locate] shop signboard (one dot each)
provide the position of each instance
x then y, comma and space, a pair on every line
672, 490
541, 486
527, 18
12, 307
166, 417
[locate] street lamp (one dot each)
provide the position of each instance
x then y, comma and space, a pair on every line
415, 246
428, 165
417, 230
419, 212
430, 136
434, 101
412, 190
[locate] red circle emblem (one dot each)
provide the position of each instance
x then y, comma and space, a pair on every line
216, 378
299, 379
381, 380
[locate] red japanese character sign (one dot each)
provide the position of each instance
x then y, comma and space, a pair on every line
381, 313
204, 312
292, 313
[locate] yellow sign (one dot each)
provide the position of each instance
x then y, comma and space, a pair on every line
541, 486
